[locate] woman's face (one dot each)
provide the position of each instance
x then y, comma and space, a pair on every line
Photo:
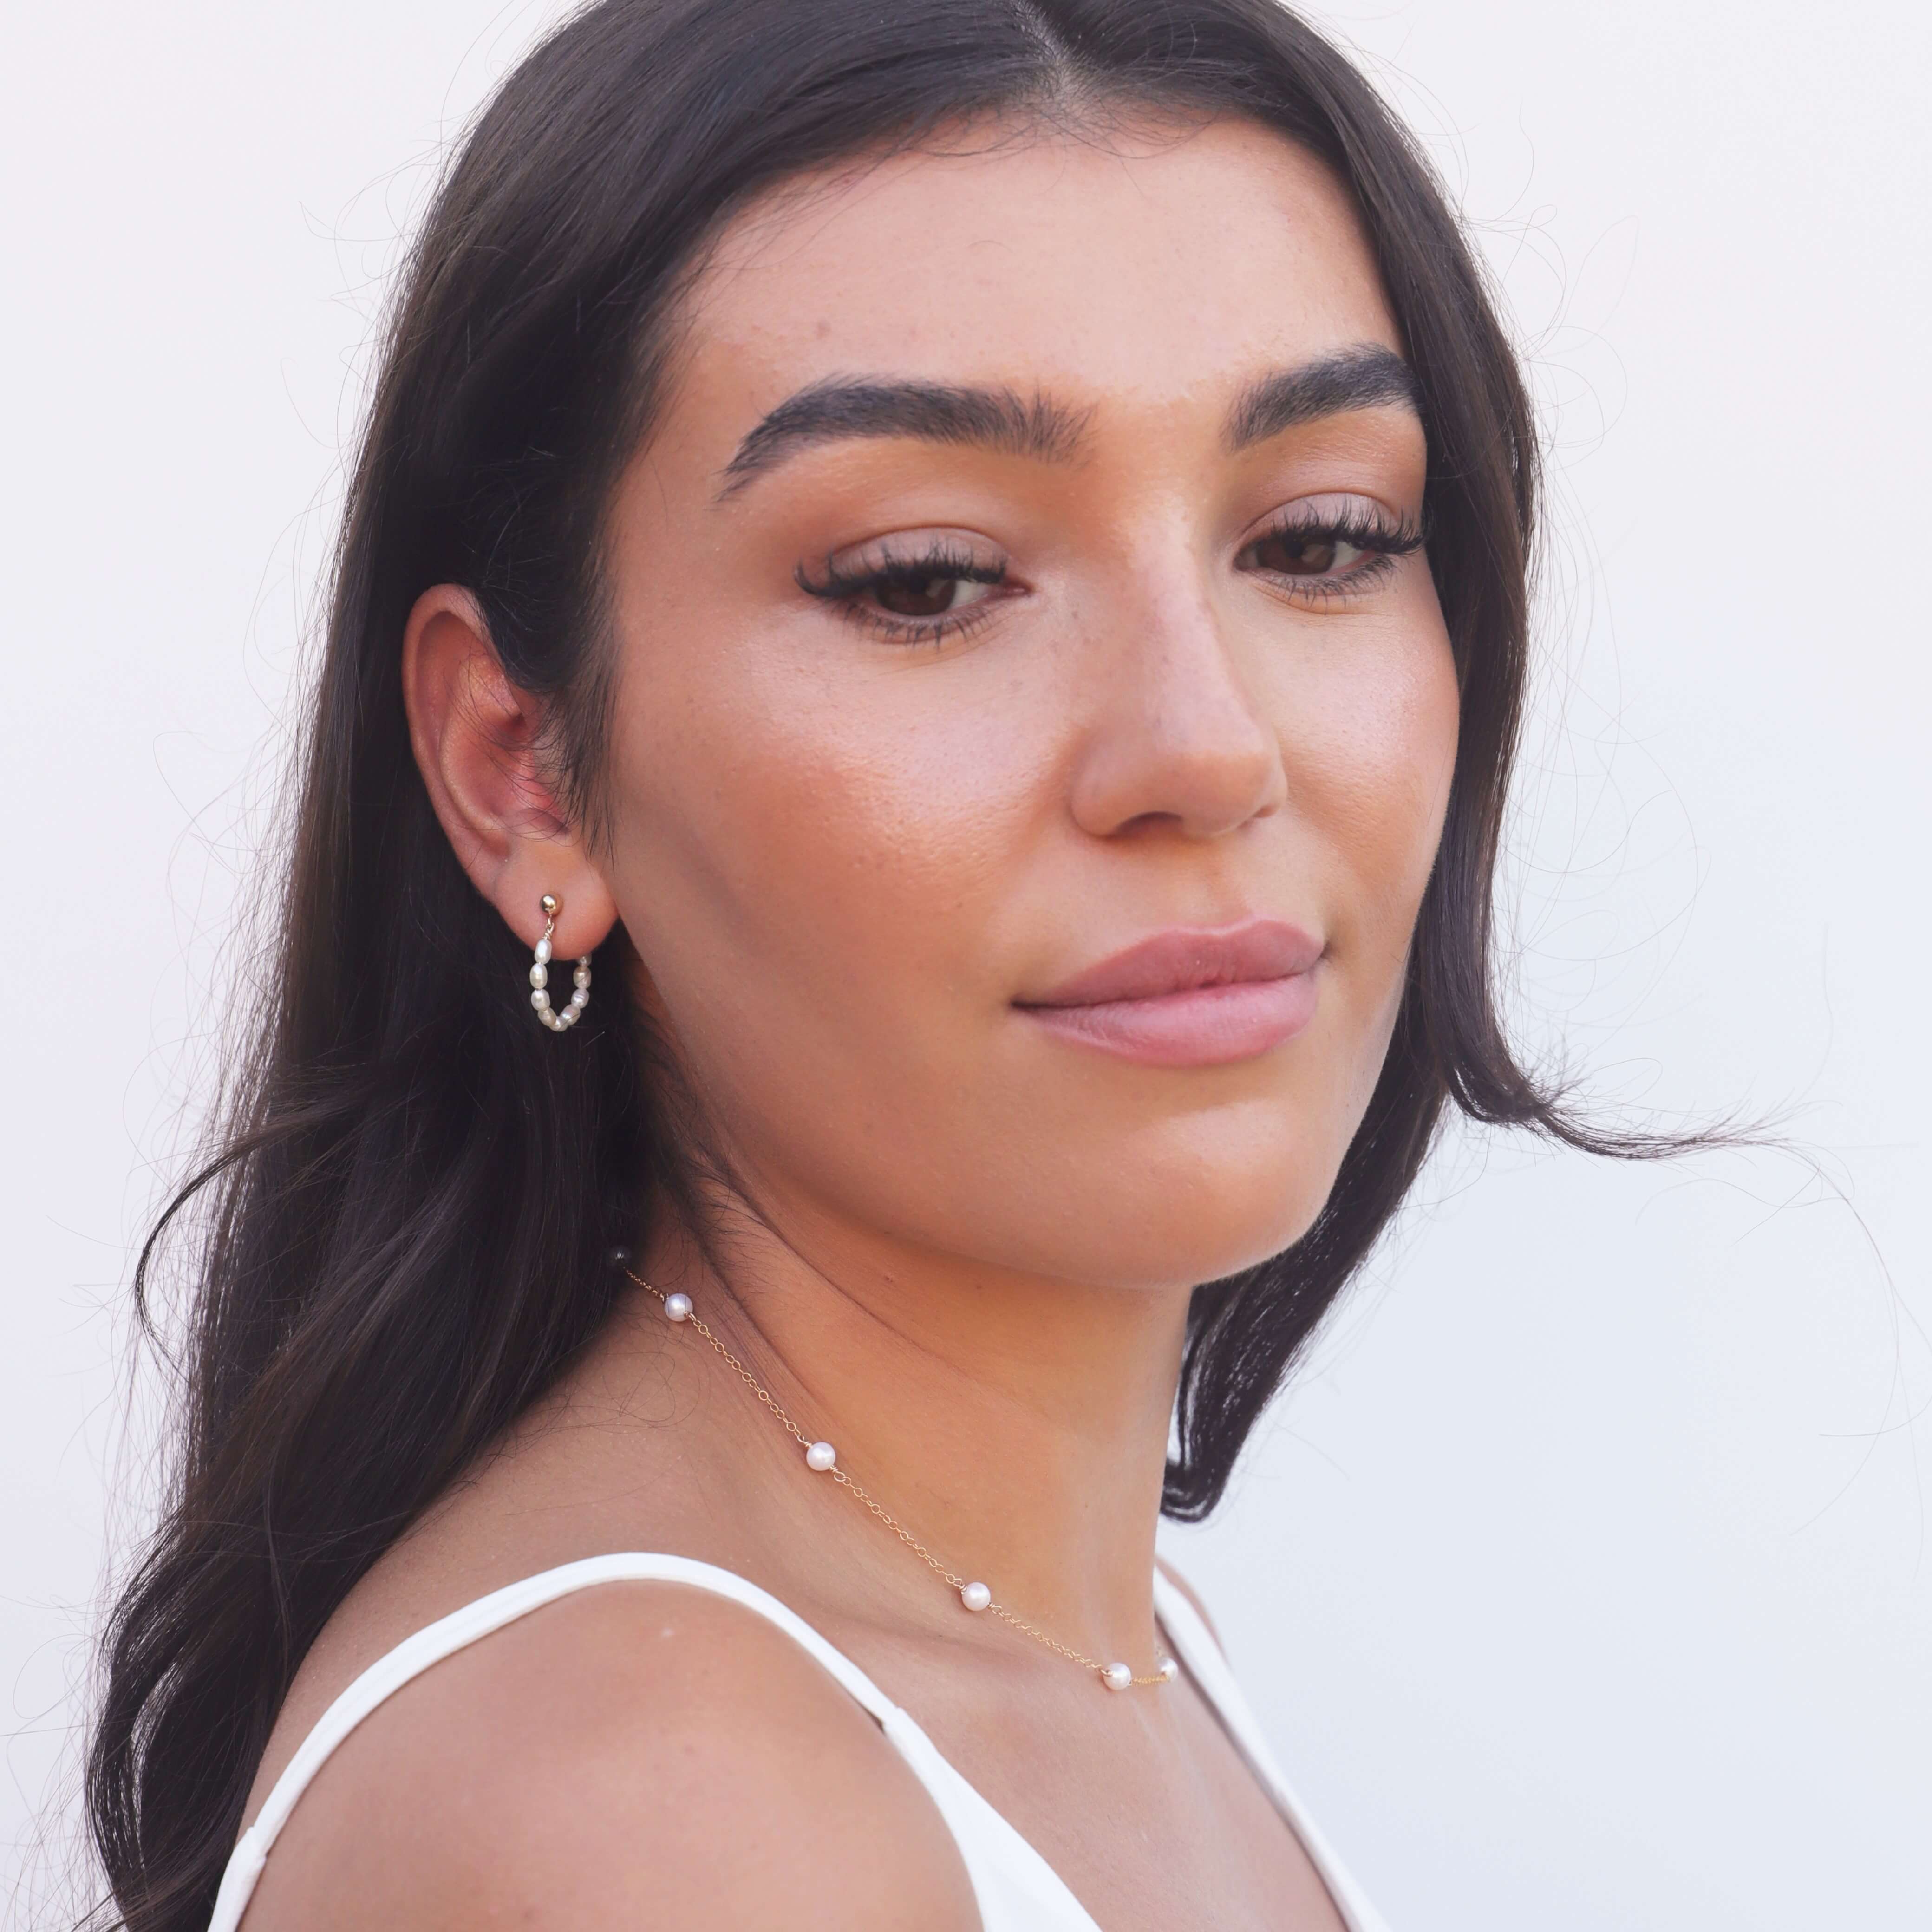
1023, 569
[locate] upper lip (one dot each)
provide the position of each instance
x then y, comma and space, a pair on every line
1184, 959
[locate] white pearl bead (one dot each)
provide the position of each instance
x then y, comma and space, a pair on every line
581, 976
975, 1596
543, 952
1169, 1670
540, 975
820, 1456
678, 1307
541, 1000
581, 998
1117, 1676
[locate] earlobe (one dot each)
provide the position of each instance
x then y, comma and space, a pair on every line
476, 738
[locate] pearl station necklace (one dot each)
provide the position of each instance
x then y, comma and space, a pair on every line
822, 1460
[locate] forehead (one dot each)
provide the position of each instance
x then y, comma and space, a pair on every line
1159, 267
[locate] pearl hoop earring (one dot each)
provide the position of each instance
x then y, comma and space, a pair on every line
580, 998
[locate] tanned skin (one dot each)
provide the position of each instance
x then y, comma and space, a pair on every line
845, 858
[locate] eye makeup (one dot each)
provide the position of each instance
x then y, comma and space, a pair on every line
923, 596
939, 587
1324, 555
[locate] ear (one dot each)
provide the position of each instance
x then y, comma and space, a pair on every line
476, 736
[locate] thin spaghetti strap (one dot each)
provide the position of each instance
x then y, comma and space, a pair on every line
1188, 1632
454, 1633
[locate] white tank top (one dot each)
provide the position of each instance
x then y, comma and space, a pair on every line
1016, 1889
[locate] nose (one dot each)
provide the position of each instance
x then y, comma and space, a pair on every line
1177, 738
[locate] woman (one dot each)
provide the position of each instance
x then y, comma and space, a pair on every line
966, 563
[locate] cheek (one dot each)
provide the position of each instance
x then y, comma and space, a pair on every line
821, 880
1370, 747
1371, 753
808, 855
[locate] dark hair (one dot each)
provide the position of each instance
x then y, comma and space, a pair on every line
402, 1230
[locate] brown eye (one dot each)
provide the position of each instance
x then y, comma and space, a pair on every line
1302, 554
922, 595
931, 593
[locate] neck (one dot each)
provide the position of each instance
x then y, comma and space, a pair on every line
1015, 1424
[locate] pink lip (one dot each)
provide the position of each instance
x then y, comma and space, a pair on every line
1190, 997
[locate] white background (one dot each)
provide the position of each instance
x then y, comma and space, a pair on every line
1585, 1579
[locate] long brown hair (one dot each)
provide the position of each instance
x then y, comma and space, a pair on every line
400, 1236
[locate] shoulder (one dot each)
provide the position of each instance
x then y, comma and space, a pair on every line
635, 1753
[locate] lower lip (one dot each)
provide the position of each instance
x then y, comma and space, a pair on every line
1208, 1026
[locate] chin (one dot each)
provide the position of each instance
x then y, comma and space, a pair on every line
1211, 1247
1140, 1224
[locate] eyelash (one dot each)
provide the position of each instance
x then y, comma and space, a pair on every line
939, 562
1382, 540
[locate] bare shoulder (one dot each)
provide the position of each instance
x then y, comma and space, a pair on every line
1188, 1590
638, 1754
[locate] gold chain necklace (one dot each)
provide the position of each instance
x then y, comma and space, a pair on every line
823, 1459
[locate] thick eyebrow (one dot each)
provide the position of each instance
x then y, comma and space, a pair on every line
1366, 376
839, 407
